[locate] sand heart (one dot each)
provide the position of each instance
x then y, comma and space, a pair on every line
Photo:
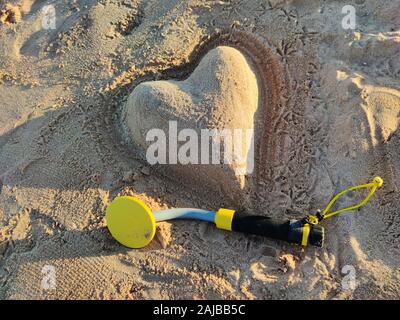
200, 128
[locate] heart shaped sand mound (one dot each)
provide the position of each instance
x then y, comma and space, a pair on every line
166, 120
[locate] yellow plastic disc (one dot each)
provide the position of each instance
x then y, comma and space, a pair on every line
130, 222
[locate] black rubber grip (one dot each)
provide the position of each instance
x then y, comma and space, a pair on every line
286, 230
261, 226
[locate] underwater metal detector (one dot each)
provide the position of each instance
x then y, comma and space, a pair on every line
132, 223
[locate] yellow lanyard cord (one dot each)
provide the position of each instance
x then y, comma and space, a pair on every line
377, 182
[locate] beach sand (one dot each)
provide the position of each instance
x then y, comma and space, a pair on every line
327, 118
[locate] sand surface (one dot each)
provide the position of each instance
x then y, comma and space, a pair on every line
220, 94
327, 118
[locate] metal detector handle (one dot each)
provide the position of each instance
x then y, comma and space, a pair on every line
295, 231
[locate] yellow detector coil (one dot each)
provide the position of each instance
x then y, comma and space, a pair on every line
130, 222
